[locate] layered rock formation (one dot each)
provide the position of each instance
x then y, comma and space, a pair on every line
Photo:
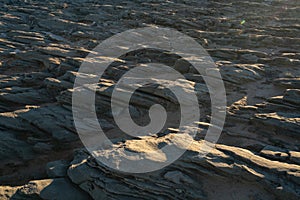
255, 45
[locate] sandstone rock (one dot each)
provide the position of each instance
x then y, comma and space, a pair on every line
274, 153
255, 45
288, 82
287, 122
223, 163
240, 74
55, 86
6, 192
295, 157
59, 188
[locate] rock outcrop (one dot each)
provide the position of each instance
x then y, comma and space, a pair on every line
255, 45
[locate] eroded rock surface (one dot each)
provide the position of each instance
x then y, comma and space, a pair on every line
255, 45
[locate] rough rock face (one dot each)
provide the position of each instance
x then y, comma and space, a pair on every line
255, 45
192, 177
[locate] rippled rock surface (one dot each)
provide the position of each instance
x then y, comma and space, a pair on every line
255, 45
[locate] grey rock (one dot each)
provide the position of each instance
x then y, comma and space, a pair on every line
64, 136
43, 44
292, 96
182, 66
240, 74
188, 176
249, 58
178, 177
57, 168
288, 82
42, 147
12, 148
